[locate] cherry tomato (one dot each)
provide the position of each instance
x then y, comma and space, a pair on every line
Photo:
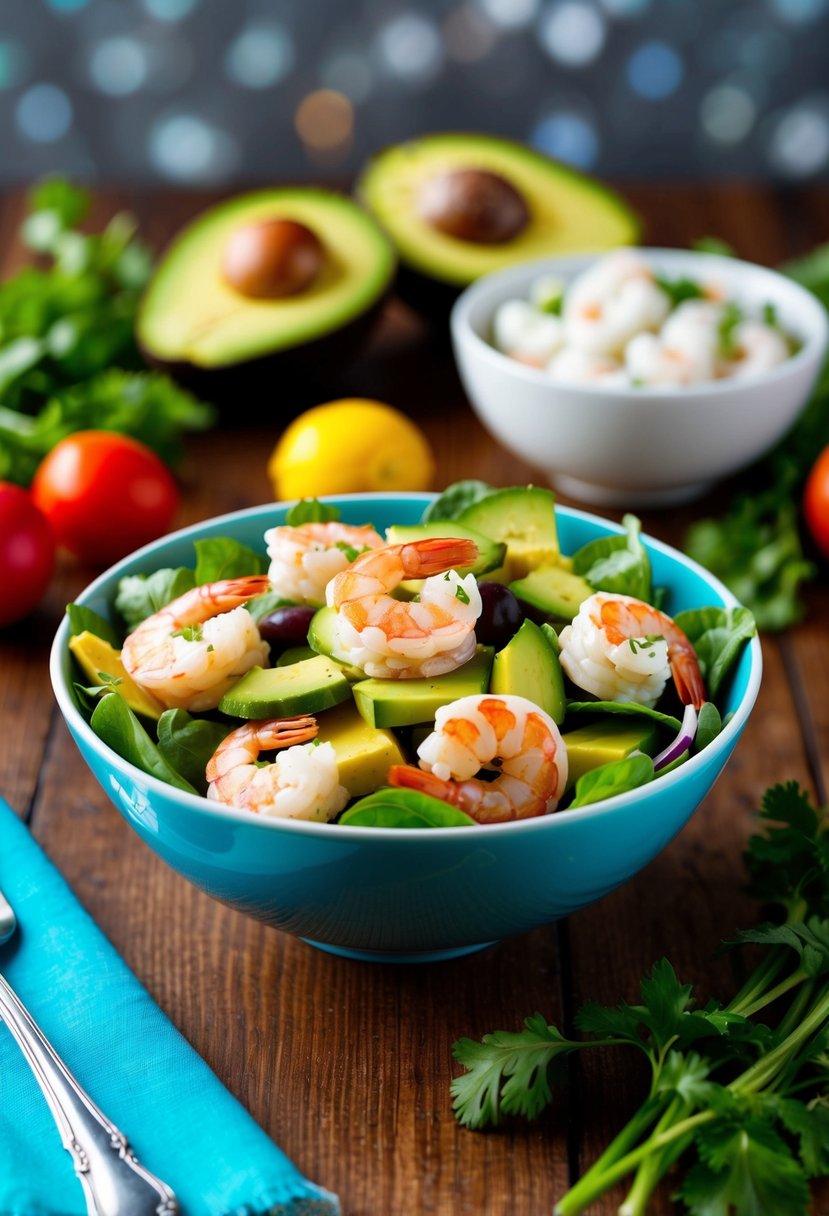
816, 501
27, 553
104, 494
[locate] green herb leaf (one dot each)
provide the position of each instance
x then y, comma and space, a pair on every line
810, 1124
220, 557
616, 777
401, 808
717, 635
142, 595
187, 743
747, 1169
507, 1072
455, 499
618, 564
629, 709
788, 865
709, 725
311, 511
809, 939
680, 290
114, 722
85, 620
263, 605
732, 316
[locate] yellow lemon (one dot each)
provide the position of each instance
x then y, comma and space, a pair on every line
348, 446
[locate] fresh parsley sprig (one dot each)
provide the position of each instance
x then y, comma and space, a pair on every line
741, 1104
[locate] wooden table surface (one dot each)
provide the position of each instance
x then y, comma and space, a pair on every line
347, 1065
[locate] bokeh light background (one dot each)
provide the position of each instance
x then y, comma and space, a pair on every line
205, 92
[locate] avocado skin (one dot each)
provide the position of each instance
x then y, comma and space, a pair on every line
286, 381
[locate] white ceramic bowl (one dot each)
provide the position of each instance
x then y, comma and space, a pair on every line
646, 446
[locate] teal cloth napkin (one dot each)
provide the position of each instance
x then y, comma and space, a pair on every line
181, 1121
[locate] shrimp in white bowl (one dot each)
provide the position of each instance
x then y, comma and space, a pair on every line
606, 305
527, 334
757, 347
302, 783
508, 735
305, 558
191, 651
396, 638
621, 649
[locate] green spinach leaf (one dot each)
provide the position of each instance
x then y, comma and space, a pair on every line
399, 808
187, 743
455, 499
85, 620
311, 511
617, 777
140, 595
618, 564
718, 635
116, 725
221, 557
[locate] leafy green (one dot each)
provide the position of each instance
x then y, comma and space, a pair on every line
311, 511
141, 595
616, 777
187, 743
618, 564
85, 620
717, 635
680, 290
631, 709
746, 1109
709, 725
263, 605
114, 722
455, 499
732, 316
68, 358
220, 557
402, 808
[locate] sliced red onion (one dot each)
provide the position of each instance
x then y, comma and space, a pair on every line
681, 743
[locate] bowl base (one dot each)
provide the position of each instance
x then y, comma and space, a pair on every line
403, 956
610, 496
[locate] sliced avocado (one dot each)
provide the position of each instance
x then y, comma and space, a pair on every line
101, 664
406, 702
529, 667
235, 286
364, 752
459, 205
552, 637
490, 552
294, 654
322, 639
524, 518
280, 692
602, 742
553, 591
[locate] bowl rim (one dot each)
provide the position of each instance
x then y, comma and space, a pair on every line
353, 834
812, 349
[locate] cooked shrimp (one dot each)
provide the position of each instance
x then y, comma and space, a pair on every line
622, 649
614, 299
526, 334
573, 366
426, 637
303, 783
758, 347
650, 360
508, 735
190, 652
304, 559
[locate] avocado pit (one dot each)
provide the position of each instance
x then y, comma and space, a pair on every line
272, 258
473, 205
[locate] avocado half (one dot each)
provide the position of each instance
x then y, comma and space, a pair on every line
306, 300
458, 206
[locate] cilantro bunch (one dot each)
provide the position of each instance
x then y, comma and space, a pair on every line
68, 358
740, 1102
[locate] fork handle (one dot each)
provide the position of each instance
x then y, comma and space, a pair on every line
114, 1182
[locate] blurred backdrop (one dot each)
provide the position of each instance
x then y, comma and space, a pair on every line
203, 92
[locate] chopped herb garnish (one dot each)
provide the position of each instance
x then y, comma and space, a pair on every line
190, 633
637, 644
770, 315
680, 290
460, 594
351, 553
727, 346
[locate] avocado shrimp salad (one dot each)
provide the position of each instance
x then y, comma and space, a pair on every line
458, 672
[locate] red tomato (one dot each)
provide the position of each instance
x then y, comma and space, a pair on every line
27, 553
816, 501
104, 494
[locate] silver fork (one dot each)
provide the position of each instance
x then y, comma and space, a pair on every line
114, 1182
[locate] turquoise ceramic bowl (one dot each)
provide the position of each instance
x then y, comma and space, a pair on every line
406, 895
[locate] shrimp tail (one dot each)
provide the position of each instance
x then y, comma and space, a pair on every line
688, 680
436, 554
409, 777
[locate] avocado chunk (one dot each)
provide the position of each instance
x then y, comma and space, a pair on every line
458, 206
602, 742
280, 692
365, 753
322, 638
553, 591
101, 664
407, 702
524, 519
264, 274
490, 552
529, 667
